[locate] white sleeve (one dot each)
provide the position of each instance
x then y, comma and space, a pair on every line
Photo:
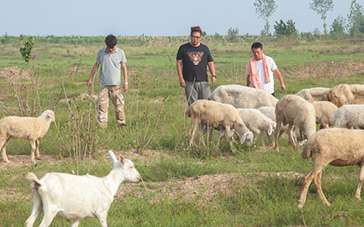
272, 64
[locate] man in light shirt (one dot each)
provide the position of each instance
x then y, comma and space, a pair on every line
260, 70
111, 60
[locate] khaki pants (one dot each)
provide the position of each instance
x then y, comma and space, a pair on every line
117, 99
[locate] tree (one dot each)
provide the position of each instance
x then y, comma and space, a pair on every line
322, 7
232, 34
265, 9
338, 26
285, 29
355, 19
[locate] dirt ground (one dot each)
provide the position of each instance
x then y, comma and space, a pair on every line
330, 69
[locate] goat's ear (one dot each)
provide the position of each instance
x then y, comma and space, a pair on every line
112, 157
121, 159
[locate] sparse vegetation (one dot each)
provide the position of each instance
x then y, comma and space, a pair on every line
254, 186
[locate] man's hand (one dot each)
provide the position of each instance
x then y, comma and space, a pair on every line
126, 87
89, 86
182, 83
213, 79
283, 87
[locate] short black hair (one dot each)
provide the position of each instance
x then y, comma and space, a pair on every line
196, 29
111, 41
257, 45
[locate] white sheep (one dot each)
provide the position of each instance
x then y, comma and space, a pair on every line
242, 96
324, 113
314, 94
218, 115
30, 128
268, 111
299, 115
349, 116
346, 94
337, 147
257, 122
76, 197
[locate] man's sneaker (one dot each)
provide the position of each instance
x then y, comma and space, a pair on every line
121, 125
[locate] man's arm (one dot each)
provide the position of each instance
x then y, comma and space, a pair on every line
212, 70
91, 78
124, 68
279, 76
179, 66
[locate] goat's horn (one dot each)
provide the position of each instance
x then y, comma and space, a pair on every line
112, 156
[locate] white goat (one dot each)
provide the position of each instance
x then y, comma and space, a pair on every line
76, 197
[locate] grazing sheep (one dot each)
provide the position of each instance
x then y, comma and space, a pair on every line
337, 147
324, 113
299, 115
76, 197
30, 128
346, 94
218, 115
314, 94
349, 116
257, 122
268, 111
242, 97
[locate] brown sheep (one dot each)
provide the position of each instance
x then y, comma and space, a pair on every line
346, 94
337, 147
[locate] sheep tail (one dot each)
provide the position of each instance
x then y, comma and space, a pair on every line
307, 151
33, 178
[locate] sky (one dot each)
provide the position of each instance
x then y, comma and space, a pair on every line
153, 17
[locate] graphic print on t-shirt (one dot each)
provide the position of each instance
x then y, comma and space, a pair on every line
195, 56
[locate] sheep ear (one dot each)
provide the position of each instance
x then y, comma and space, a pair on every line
112, 157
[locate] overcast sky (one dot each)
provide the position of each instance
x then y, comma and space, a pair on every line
151, 17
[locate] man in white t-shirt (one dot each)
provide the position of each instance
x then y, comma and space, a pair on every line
260, 70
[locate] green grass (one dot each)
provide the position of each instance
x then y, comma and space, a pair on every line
155, 114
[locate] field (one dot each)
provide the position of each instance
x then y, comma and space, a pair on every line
200, 186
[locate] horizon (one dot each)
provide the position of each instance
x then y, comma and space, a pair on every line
157, 18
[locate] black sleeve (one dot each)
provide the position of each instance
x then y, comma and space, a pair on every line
209, 56
180, 53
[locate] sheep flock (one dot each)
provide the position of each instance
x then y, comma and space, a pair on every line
323, 124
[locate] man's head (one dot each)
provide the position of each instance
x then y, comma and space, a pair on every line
196, 34
111, 41
257, 50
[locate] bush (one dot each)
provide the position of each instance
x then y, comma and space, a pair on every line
285, 29
26, 50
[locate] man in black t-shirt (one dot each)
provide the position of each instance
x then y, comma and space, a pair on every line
193, 58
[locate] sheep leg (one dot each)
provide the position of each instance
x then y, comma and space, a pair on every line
3, 141
34, 148
37, 154
195, 126
210, 133
291, 138
306, 184
36, 209
276, 136
361, 179
321, 194
75, 223
229, 134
